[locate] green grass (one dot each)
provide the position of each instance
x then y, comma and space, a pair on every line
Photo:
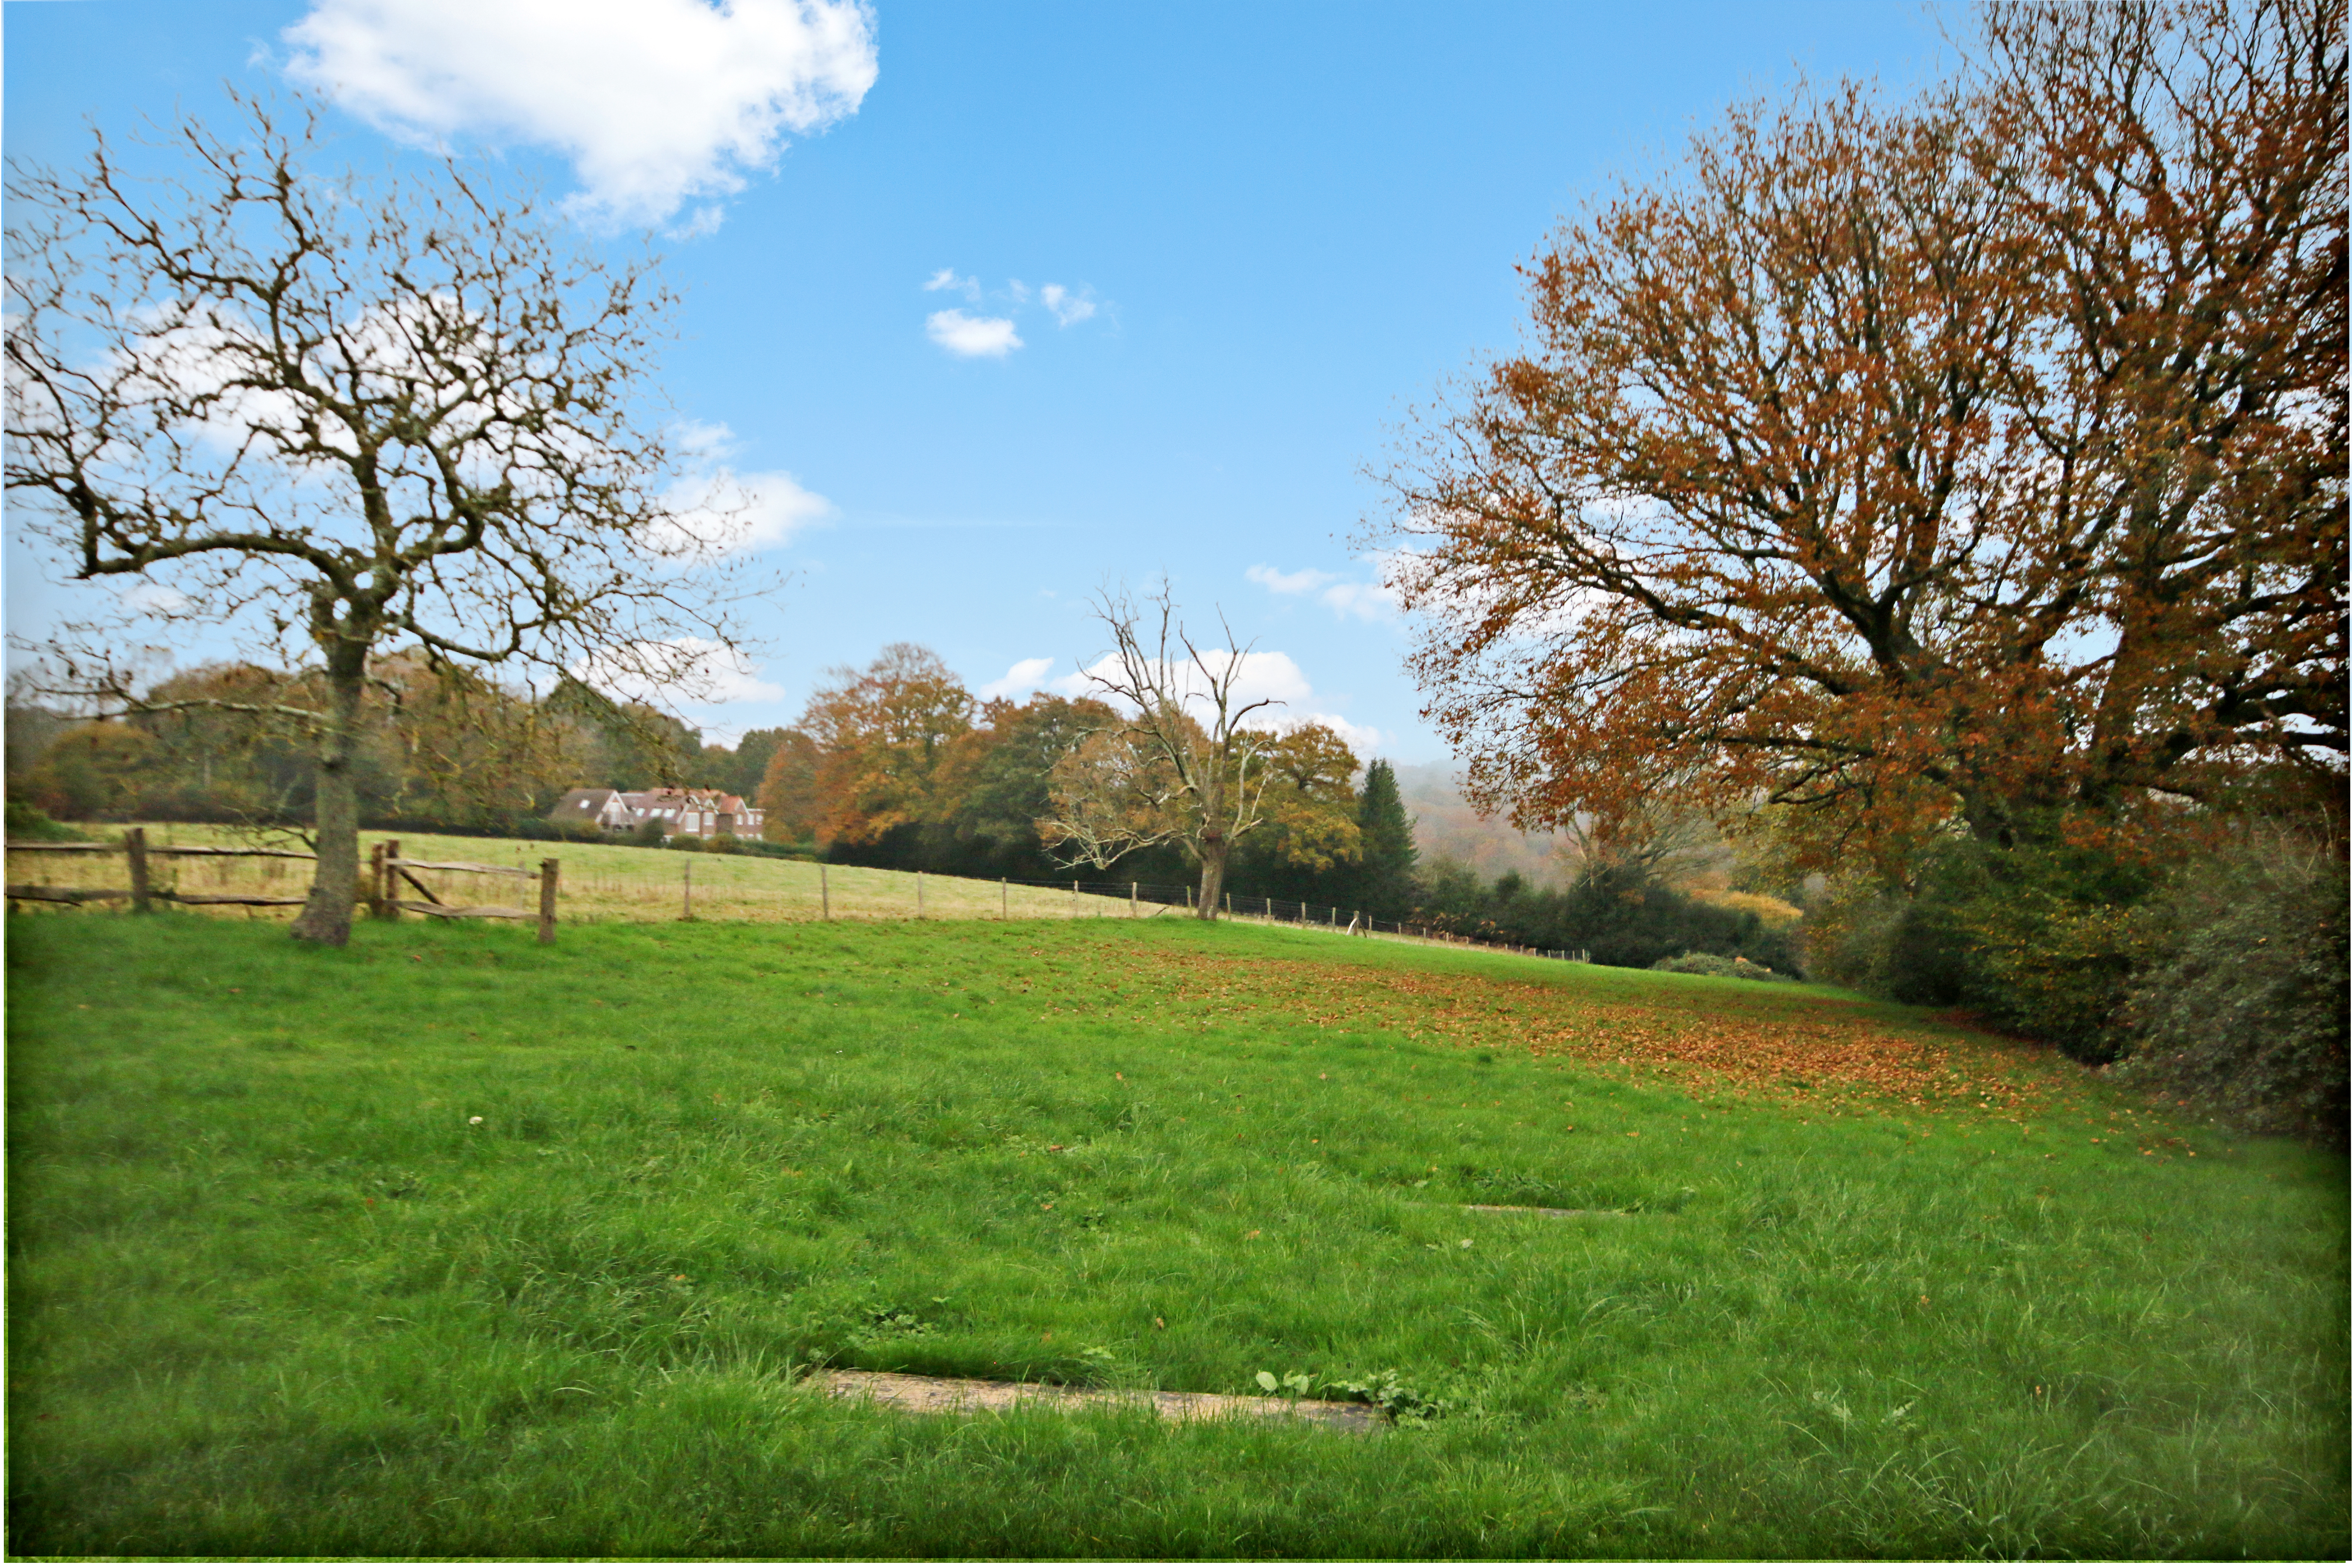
273, 1291
598, 881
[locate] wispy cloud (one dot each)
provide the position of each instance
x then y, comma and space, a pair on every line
655, 102
1305, 582
1068, 309
722, 512
947, 278
1372, 601
993, 337
697, 670
972, 337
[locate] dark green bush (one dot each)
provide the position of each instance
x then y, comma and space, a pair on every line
2241, 1011
689, 842
30, 825
2039, 940
646, 835
1715, 963
723, 844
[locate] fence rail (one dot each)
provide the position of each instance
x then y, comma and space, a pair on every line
394, 886
386, 869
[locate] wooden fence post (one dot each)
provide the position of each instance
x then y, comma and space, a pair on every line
824, 892
391, 848
1134, 909
1004, 898
1074, 898
918, 895
375, 881
547, 874
690, 892
135, 841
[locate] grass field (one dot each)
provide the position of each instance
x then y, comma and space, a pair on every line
598, 881
450, 1245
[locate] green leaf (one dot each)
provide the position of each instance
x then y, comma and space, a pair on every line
1268, 1382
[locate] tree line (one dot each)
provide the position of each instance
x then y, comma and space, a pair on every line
895, 764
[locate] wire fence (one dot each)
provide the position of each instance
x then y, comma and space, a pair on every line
600, 883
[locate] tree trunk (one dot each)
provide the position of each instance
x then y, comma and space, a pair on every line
327, 917
1212, 877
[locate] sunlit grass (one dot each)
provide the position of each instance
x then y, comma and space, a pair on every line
274, 1290
597, 882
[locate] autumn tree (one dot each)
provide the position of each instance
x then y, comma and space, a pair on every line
881, 733
995, 784
1977, 465
1309, 804
343, 420
788, 794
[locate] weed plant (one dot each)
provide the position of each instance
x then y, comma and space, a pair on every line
450, 1245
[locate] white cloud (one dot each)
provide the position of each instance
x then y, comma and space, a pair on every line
1372, 601
682, 669
1275, 678
722, 512
947, 278
142, 597
1027, 676
1363, 740
701, 438
1068, 309
653, 102
1365, 601
1305, 582
972, 337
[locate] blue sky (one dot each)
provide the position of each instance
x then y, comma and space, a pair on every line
1273, 228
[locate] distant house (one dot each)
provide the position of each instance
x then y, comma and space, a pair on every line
701, 811
605, 808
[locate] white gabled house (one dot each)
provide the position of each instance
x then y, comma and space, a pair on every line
701, 811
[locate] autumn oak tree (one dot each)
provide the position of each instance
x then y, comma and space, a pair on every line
1978, 463
345, 421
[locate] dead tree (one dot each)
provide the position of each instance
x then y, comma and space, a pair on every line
1182, 768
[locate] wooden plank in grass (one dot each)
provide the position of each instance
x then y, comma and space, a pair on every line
943, 1395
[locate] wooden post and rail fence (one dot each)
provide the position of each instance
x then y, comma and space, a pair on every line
380, 890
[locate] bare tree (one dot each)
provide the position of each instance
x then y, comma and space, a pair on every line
1165, 776
344, 420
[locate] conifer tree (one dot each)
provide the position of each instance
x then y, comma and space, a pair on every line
1385, 884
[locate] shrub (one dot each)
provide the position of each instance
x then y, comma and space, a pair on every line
1715, 963
724, 844
646, 835
2242, 1009
689, 842
2038, 940
31, 825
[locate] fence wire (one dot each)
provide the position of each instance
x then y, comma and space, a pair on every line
608, 883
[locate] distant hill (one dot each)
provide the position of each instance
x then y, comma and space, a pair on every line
1447, 826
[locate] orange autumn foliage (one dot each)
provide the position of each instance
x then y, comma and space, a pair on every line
1975, 464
